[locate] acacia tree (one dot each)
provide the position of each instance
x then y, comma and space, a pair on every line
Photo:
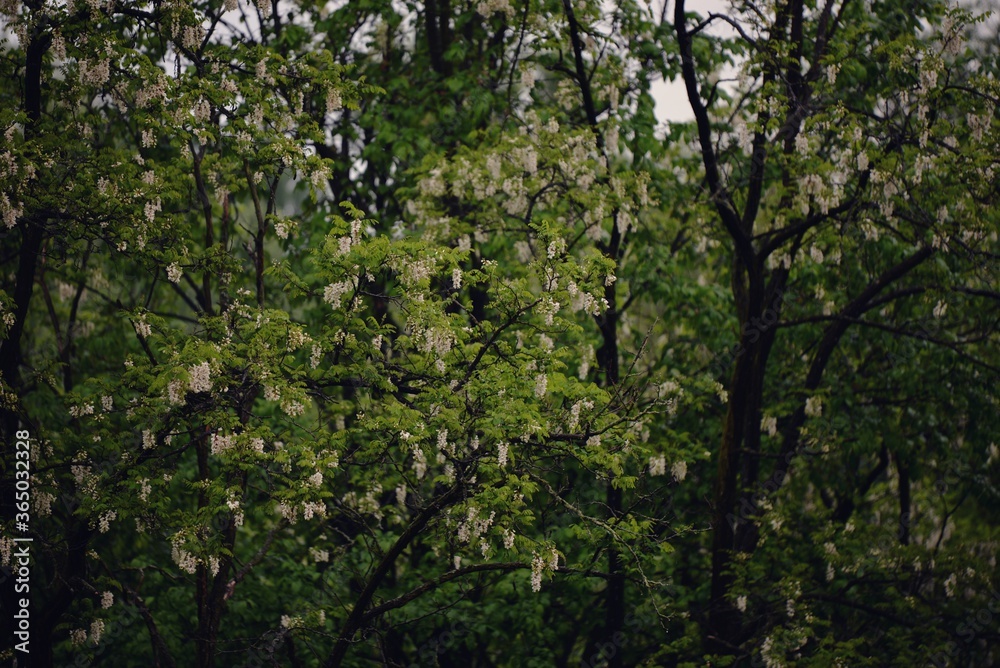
215, 376
847, 169
291, 428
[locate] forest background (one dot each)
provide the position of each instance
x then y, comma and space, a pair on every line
404, 333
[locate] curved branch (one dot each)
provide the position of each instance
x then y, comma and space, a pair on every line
835, 331
357, 617
719, 196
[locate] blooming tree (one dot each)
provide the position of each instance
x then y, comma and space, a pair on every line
401, 332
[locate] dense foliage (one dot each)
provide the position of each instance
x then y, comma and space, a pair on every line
403, 333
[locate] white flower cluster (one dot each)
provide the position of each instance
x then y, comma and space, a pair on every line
922, 164
679, 470
537, 564
369, 503
979, 124
296, 339
186, 561
722, 392
949, 585
522, 249
202, 110
442, 442
417, 271
814, 406
556, 248
582, 300
333, 294
142, 328
527, 76
744, 139
191, 37
86, 482
174, 273
313, 508
574, 413
95, 74
220, 443
144, 489
151, 208
585, 360
11, 212
488, 8
831, 73
200, 377
286, 511
548, 309
419, 462
493, 165
333, 100
104, 524
769, 424
541, 385
292, 408
80, 411
657, 465
437, 340
175, 392
870, 231
282, 228
502, 451
527, 157
42, 503
474, 526
433, 185
516, 202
